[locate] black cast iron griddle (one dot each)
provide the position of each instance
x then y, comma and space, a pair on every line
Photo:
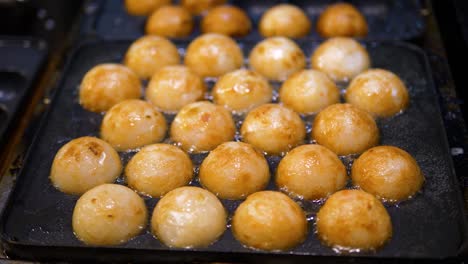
21, 60
387, 19
37, 221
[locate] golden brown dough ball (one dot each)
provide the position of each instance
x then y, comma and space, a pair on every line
284, 20
198, 7
173, 87
107, 84
353, 219
342, 20
109, 214
144, 7
132, 124
84, 163
379, 92
311, 172
242, 90
277, 58
226, 20
388, 172
234, 170
309, 91
273, 128
148, 54
340, 58
157, 169
345, 129
189, 217
269, 220
170, 21
202, 126
212, 55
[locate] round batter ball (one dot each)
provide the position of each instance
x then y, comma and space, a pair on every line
148, 54
309, 91
109, 214
157, 169
106, 85
84, 163
234, 170
226, 20
273, 128
345, 129
198, 7
342, 20
379, 92
242, 90
189, 217
311, 172
202, 126
132, 124
144, 7
170, 21
173, 87
277, 58
212, 55
387, 172
353, 219
340, 58
284, 20
269, 220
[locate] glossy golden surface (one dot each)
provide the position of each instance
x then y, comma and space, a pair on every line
342, 20
173, 87
170, 21
132, 124
284, 20
198, 7
311, 172
109, 214
106, 85
144, 7
234, 170
269, 220
84, 163
189, 217
157, 169
226, 20
345, 129
352, 220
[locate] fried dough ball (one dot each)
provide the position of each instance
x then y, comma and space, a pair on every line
387, 172
144, 7
107, 84
189, 217
84, 163
212, 55
202, 126
311, 172
345, 129
269, 220
353, 219
277, 58
273, 128
340, 58
234, 170
132, 124
109, 214
157, 169
150, 53
342, 20
242, 90
198, 7
379, 92
170, 21
173, 87
226, 20
284, 20
309, 91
